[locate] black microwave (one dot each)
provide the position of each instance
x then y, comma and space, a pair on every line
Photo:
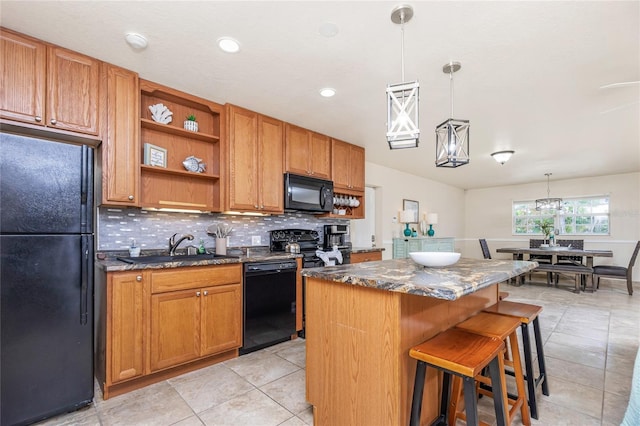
307, 194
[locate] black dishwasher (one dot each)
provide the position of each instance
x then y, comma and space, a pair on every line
269, 303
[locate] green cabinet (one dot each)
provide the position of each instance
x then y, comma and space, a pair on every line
403, 246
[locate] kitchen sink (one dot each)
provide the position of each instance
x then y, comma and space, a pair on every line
175, 258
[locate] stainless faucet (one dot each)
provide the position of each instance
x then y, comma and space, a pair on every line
173, 244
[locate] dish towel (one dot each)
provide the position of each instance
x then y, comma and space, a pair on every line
326, 257
632, 416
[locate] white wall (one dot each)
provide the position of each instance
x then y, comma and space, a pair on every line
489, 214
392, 186
486, 213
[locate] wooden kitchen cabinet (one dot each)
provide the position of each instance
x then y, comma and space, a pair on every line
121, 146
366, 256
125, 326
307, 152
347, 165
172, 185
154, 324
47, 86
202, 316
256, 148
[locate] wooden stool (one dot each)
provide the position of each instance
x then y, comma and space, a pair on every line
527, 314
502, 327
464, 355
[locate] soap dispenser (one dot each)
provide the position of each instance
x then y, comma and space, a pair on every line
201, 249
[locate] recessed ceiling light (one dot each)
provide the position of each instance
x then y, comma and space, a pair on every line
328, 29
228, 44
327, 92
135, 40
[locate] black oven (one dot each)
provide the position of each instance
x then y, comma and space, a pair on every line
269, 303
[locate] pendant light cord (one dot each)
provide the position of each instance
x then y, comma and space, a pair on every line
451, 89
402, 42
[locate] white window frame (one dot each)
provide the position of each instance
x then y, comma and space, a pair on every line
596, 208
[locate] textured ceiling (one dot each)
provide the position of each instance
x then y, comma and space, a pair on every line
530, 78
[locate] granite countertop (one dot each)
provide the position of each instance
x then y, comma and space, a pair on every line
405, 276
110, 263
366, 249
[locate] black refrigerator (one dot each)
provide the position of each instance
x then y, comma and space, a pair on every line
46, 278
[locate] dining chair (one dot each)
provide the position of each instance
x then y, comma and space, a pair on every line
540, 258
570, 260
617, 272
485, 248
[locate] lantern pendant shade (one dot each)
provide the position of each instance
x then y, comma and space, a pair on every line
549, 203
402, 115
452, 143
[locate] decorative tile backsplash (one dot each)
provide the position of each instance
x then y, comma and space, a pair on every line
117, 227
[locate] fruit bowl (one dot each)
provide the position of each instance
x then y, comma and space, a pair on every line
434, 258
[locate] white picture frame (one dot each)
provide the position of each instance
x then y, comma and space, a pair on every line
155, 155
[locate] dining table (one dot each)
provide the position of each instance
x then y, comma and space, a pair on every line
555, 251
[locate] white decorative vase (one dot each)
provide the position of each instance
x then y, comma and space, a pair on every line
221, 246
190, 125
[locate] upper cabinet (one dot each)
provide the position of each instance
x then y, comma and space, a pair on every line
45, 85
121, 146
181, 168
256, 148
307, 152
347, 165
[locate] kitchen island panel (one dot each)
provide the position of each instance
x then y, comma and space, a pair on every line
358, 367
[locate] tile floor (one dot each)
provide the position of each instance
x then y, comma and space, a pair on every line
590, 346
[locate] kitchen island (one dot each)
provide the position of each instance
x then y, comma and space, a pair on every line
362, 319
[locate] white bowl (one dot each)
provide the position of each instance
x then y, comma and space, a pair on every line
435, 258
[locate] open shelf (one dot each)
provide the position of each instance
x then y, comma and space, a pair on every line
166, 128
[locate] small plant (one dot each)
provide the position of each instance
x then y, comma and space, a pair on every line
191, 117
546, 226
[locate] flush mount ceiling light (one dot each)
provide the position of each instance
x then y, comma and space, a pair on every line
135, 40
228, 44
452, 135
402, 99
548, 203
502, 156
327, 92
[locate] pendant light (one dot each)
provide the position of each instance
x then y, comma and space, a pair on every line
402, 99
548, 203
452, 135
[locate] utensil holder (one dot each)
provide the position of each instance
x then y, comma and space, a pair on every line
221, 246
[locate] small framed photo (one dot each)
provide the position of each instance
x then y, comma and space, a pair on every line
155, 155
413, 207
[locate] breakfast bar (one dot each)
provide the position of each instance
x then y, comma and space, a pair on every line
362, 319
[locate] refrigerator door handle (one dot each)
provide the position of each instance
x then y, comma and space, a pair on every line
87, 277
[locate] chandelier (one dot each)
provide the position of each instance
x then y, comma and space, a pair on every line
402, 98
548, 203
452, 135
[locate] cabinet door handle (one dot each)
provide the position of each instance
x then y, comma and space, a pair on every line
139, 278
261, 206
54, 121
206, 292
131, 197
38, 118
197, 294
255, 206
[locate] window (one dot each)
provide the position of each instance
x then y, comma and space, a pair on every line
579, 216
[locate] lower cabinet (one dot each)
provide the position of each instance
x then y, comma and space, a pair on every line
153, 324
366, 256
403, 246
189, 324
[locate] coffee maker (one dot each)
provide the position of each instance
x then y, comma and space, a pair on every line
336, 235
